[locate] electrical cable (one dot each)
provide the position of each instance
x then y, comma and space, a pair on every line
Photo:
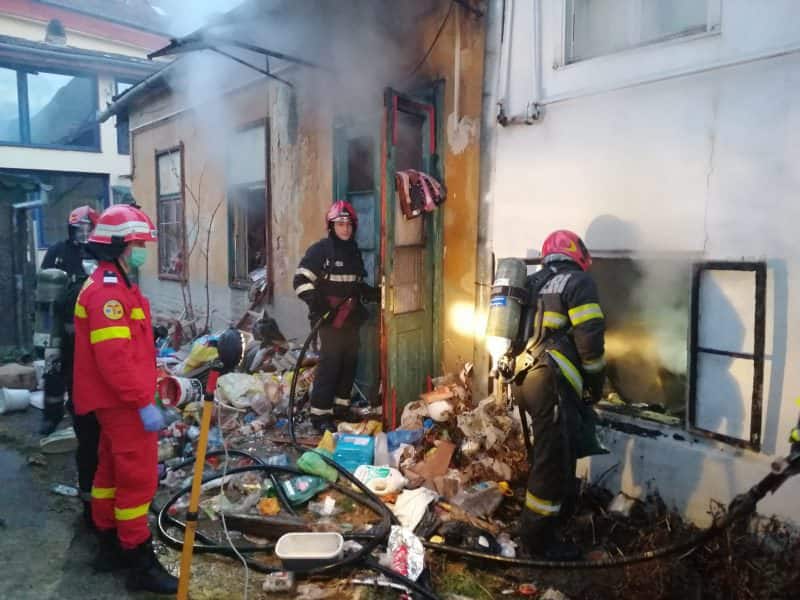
433, 43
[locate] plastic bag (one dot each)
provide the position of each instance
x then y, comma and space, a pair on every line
200, 354
241, 390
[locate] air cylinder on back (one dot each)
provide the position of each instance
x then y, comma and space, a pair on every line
509, 294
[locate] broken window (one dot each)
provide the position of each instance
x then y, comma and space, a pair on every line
170, 215
728, 336
646, 302
600, 27
248, 204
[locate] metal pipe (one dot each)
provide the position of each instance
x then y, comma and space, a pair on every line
483, 271
247, 64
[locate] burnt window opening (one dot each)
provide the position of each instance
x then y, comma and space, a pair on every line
248, 205
646, 303
727, 352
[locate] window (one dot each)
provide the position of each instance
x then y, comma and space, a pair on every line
123, 124
41, 108
599, 27
68, 191
727, 349
171, 227
248, 204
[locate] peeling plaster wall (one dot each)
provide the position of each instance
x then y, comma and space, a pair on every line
460, 137
702, 166
300, 180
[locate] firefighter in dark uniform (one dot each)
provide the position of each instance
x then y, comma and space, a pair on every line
67, 255
563, 362
330, 280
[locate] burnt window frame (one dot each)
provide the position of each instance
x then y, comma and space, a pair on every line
243, 283
180, 199
757, 356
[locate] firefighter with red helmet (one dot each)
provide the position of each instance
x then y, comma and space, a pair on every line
330, 280
562, 375
115, 377
69, 256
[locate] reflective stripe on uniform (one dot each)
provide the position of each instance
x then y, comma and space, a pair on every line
104, 493
307, 273
541, 506
568, 369
306, 287
321, 411
80, 311
110, 333
137, 314
553, 320
128, 514
594, 366
585, 312
343, 278
341, 401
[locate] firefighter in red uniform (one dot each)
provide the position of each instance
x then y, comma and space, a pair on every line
115, 377
563, 359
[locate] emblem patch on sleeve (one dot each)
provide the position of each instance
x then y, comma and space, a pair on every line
113, 310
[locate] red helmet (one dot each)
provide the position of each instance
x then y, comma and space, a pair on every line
123, 223
341, 211
83, 214
566, 244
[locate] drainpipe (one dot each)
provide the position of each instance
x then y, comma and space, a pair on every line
493, 61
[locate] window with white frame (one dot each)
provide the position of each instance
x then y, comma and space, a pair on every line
600, 27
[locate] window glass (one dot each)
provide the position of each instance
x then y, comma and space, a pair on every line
69, 190
171, 225
169, 173
598, 27
9, 106
62, 110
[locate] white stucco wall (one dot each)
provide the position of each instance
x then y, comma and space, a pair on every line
632, 155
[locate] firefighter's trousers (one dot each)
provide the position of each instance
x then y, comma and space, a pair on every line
126, 477
338, 359
551, 480
87, 432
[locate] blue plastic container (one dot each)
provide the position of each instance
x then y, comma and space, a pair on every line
353, 450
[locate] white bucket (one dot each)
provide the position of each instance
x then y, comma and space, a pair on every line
11, 400
177, 391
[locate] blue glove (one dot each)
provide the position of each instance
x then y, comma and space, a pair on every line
151, 417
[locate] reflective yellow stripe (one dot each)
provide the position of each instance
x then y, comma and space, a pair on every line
795, 437
104, 493
585, 312
306, 287
110, 333
594, 366
568, 369
128, 514
307, 273
80, 311
137, 314
541, 506
553, 320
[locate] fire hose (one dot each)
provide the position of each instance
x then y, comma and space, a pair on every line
740, 507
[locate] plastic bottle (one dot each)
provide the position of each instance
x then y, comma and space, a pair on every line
381, 480
481, 499
302, 488
381, 450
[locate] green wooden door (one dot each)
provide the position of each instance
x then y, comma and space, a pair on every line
410, 256
357, 180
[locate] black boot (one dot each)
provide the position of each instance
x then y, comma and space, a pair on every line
109, 554
147, 573
51, 416
323, 423
538, 537
345, 413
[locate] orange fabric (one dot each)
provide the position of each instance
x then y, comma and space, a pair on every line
115, 358
128, 462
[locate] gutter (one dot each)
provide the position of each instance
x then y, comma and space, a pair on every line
154, 81
484, 263
64, 55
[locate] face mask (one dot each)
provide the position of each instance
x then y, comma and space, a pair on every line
137, 257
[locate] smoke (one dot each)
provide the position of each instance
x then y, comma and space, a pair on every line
184, 17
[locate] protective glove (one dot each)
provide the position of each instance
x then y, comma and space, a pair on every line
593, 390
151, 417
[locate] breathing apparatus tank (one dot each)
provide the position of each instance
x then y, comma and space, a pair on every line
50, 285
509, 295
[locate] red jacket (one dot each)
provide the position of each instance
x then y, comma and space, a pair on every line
115, 357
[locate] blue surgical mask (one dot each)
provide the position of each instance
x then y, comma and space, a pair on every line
137, 257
